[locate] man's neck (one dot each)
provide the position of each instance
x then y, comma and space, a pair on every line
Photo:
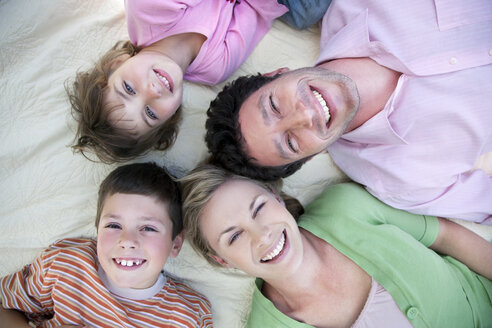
375, 84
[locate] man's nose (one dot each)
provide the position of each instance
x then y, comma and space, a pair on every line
301, 116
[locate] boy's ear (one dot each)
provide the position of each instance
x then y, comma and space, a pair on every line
177, 244
277, 71
221, 261
118, 61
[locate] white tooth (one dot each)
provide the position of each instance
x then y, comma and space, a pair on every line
129, 263
322, 102
118, 261
277, 249
137, 262
163, 79
123, 262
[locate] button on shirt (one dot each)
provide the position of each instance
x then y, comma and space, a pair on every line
418, 153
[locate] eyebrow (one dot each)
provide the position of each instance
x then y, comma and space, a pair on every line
264, 113
122, 94
281, 150
144, 218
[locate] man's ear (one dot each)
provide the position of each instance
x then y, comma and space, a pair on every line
277, 71
118, 61
177, 244
220, 260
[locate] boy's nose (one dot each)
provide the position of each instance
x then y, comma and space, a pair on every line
128, 240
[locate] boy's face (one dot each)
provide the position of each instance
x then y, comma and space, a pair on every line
149, 86
134, 239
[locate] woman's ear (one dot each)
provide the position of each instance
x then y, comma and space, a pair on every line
177, 244
220, 260
277, 71
276, 195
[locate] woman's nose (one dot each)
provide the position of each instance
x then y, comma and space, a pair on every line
263, 235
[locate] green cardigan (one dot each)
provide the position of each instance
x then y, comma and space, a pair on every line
391, 246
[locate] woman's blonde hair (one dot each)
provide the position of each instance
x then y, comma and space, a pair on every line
94, 131
199, 186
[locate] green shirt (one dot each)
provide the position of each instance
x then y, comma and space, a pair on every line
391, 246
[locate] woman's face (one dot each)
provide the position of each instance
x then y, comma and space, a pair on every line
250, 229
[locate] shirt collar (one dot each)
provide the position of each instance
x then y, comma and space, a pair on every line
378, 129
353, 41
131, 293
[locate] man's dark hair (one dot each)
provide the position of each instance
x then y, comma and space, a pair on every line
147, 179
224, 139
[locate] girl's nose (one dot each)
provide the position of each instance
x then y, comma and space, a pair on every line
153, 90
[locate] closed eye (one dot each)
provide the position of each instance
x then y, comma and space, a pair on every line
258, 209
150, 113
292, 144
272, 105
234, 237
128, 88
147, 228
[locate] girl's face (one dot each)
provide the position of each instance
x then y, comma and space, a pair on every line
250, 229
146, 89
134, 239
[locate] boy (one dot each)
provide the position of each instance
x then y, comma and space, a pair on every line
118, 280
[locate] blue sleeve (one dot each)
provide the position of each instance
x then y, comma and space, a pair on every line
304, 13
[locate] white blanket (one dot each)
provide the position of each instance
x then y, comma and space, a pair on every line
50, 193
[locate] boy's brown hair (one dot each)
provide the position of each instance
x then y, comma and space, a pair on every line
94, 131
147, 179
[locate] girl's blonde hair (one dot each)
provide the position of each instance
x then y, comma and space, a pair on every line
199, 186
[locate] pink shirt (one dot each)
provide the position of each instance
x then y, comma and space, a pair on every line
419, 152
380, 311
232, 29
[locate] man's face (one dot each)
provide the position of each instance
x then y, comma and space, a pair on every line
297, 115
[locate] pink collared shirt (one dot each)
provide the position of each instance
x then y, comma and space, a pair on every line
419, 152
232, 28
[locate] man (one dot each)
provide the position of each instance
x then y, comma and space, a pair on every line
399, 97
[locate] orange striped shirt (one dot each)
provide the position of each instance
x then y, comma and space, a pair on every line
62, 286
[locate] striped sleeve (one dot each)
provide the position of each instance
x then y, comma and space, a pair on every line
27, 290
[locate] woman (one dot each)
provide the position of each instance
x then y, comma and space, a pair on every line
352, 261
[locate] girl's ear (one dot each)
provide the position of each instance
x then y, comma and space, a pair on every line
177, 244
220, 260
